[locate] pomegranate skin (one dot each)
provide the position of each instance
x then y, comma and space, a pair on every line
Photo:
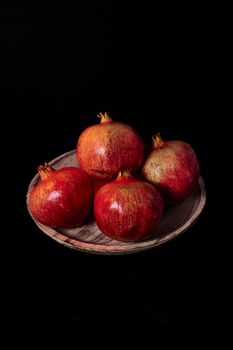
128, 209
173, 167
62, 199
97, 184
106, 148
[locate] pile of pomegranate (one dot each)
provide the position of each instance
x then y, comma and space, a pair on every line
125, 188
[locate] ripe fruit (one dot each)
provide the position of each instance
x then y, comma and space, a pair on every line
106, 148
63, 198
173, 167
97, 184
127, 208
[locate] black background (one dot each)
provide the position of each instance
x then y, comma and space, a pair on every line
163, 68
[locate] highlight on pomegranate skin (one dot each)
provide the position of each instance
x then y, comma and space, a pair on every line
173, 167
62, 198
106, 148
128, 209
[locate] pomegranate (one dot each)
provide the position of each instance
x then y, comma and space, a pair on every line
62, 198
127, 209
106, 148
173, 167
97, 184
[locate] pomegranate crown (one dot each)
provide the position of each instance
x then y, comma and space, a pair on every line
123, 173
157, 141
45, 170
104, 117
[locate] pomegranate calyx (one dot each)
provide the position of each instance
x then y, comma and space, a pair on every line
157, 141
124, 173
104, 117
45, 171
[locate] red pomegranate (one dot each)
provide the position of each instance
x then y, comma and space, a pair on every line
106, 148
173, 167
63, 198
97, 184
127, 209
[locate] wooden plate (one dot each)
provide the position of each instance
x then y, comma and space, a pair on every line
88, 237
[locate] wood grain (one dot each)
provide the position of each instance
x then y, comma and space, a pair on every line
176, 220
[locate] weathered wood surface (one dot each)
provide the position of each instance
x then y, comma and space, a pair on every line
176, 220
